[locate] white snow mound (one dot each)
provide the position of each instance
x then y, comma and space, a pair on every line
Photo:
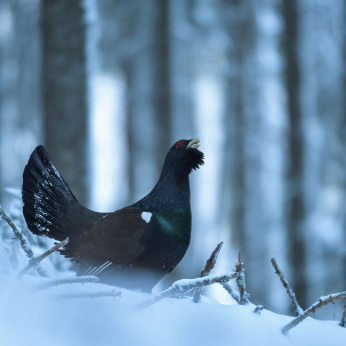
43, 319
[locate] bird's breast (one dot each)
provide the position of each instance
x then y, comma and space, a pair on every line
168, 241
176, 224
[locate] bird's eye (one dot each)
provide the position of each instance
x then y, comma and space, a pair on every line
179, 144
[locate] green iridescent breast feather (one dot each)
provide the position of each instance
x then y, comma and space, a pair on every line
176, 222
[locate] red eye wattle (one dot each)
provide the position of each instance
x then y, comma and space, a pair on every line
179, 144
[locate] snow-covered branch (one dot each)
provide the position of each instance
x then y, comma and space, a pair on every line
318, 305
34, 261
24, 242
66, 281
240, 296
181, 287
240, 280
343, 317
207, 269
297, 309
232, 292
91, 295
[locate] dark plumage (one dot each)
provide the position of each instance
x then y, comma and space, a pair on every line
133, 247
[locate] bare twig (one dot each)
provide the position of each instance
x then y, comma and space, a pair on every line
92, 295
239, 269
20, 236
343, 317
318, 305
297, 309
34, 261
53, 249
259, 308
240, 280
207, 269
24, 242
241, 297
181, 287
57, 282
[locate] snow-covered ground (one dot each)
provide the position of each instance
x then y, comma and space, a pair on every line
42, 318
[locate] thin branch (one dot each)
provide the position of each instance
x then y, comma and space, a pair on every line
53, 249
20, 236
241, 297
92, 295
232, 292
318, 305
207, 269
24, 242
343, 317
239, 269
181, 287
240, 280
57, 282
297, 309
34, 261
259, 308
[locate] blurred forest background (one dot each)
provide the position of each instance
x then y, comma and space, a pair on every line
109, 85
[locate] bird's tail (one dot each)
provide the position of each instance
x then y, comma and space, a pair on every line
46, 197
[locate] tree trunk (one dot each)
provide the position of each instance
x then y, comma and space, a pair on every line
255, 123
321, 25
148, 103
64, 85
20, 110
295, 174
162, 105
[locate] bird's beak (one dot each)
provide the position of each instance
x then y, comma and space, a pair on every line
193, 144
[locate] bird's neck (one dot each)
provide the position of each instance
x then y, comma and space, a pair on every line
172, 192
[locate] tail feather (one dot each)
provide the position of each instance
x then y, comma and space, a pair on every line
45, 193
50, 208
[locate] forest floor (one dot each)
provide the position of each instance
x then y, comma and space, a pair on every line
53, 317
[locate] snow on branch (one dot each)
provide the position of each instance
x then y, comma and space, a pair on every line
34, 261
241, 297
343, 317
181, 287
297, 309
24, 242
91, 295
232, 292
240, 280
207, 269
57, 282
318, 305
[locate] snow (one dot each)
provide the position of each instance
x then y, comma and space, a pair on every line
44, 319
4, 261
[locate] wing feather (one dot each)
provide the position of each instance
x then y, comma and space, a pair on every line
118, 238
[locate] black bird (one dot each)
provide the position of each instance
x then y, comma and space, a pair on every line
133, 247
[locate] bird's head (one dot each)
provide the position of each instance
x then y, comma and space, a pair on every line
184, 156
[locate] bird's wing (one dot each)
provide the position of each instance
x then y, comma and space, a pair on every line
116, 239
